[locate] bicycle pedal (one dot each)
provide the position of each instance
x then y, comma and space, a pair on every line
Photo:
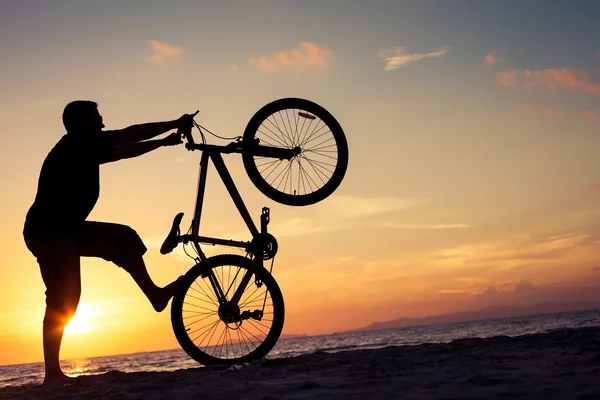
172, 239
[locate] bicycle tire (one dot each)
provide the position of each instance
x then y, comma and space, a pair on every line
273, 127
179, 314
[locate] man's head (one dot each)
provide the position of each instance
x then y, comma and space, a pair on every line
82, 116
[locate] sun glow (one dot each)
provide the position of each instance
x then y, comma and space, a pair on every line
80, 323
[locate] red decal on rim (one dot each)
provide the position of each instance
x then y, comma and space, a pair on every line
305, 115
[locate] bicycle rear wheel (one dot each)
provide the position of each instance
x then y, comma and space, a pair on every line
198, 319
308, 177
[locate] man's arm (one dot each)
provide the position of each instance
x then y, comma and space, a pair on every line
131, 150
141, 132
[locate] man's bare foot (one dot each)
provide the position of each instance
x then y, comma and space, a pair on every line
60, 380
162, 297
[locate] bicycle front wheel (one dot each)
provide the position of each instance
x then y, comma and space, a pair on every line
313, 174
212, 333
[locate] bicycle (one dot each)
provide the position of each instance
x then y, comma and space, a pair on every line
229, 308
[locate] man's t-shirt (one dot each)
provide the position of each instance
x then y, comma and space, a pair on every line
69, 183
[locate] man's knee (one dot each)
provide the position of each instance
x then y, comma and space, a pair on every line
133, 242
129, 250
62, 304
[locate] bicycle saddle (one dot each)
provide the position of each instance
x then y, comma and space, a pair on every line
172, 239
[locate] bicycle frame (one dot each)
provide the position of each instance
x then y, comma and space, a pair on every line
213, 152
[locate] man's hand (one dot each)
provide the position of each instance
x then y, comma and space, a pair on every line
186, 121
172, 140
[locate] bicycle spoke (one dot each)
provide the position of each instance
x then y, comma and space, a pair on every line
230, 342
312, 137
203, 292
275, 124
198, 320
199, 299
271, 162
310, 179
261, 324
317, 171
252, 323
287, 172
279, 142
212, 326
200, 307
315, 130
240, 341
300, 177
273, 170
218, 340
323, 155
322, 165
308, 129
321, 143
284, 127
290, 125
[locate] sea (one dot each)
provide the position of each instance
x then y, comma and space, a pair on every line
171, 360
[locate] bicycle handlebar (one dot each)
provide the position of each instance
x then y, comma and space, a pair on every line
187, 132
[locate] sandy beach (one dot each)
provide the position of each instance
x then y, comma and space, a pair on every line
562, 364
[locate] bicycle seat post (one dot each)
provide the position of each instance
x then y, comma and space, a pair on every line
265, 217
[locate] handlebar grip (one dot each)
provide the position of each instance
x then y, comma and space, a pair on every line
188, 131
188, 135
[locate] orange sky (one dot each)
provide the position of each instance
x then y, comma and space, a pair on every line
473, 155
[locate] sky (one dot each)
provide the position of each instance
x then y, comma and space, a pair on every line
472, 129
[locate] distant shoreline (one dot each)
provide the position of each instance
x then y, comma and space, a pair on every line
485, 314
561, 364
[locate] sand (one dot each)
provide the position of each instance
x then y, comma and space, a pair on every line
562, 364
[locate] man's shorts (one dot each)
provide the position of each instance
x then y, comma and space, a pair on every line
58, 254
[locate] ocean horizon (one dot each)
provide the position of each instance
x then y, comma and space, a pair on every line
175, 359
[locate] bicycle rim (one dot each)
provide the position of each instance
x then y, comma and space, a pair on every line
200, 328
320, 167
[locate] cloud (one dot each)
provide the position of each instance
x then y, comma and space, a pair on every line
490, 59
553, 79
296, 227
513, 253
338, 213
598, 55
526, 293
350, 206
555, 113
422, 226
254, 2
590, 116
398, 57
162, 52
534, 109
307, 56
591, 188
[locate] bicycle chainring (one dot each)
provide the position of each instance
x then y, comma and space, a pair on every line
264, 245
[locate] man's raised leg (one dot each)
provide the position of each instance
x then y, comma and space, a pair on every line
159, 297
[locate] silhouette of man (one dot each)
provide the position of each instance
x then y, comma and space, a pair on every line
56, 230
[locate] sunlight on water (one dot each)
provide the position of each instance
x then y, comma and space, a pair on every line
170, 360
77, 367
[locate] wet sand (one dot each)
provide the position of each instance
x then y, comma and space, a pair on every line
563, 364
